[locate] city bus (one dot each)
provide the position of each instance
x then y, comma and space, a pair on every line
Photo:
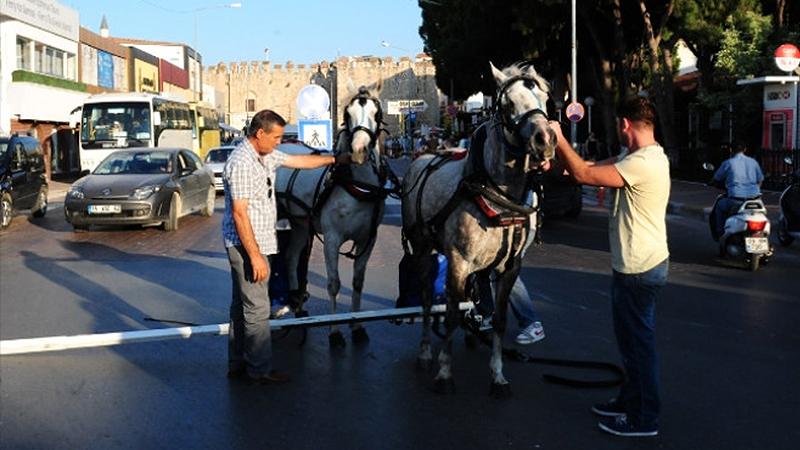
116, 121
207, 132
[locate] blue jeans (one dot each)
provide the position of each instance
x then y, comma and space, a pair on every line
722, 210
519, 300
633, 306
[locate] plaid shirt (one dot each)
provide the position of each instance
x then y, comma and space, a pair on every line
250, 176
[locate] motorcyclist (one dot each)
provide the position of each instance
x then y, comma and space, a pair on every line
741, 177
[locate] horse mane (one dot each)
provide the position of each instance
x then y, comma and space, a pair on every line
525, 68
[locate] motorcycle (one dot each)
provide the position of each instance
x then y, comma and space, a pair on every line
789, 222
746, 232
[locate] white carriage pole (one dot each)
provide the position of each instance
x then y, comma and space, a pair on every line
574, 126
58, 343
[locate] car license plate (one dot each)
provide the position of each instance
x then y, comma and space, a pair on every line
104, 209
756, 245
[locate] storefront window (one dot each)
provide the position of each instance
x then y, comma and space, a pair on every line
23, 53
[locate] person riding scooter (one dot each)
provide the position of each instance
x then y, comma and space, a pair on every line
741, 177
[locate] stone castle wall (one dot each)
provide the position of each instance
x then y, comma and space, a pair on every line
276, 86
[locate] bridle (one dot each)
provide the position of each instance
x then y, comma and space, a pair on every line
364, 123
514, 124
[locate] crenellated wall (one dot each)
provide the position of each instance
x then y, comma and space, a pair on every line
275, 86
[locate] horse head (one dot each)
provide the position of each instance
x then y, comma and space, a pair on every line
363, 117
522, 96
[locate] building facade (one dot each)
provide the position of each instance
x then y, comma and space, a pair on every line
39, 87
242, 89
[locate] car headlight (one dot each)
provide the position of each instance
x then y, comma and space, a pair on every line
144, 192
76, 193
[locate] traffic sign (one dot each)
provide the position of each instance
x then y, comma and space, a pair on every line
575, 112
787, 57
395, 107
316, 133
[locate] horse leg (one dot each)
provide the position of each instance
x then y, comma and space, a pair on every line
359, 334
422, 265
332, 244
500, 387
456, 293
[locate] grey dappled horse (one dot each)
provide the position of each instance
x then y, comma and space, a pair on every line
473, 211
345, 203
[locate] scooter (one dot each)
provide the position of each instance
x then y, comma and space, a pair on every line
746, 233
789, 222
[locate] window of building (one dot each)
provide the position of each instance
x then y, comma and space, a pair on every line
70, 74
251, 105
23, 53
38, 57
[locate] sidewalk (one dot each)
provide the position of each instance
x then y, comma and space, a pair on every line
691, 199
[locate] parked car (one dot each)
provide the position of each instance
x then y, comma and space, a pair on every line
144, 186
23, 183
215, 161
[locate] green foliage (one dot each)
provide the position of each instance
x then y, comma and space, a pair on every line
744, 45
38, 78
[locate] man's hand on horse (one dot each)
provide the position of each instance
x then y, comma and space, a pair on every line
343, 159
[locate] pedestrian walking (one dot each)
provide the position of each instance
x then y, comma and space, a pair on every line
248, 229
639, 259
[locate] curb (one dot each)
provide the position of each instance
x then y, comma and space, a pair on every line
673, 207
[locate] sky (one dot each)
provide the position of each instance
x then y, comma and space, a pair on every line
301, 31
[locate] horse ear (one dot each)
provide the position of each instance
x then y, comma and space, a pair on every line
499, 76
351, 88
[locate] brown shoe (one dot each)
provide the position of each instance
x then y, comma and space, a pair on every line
269, 378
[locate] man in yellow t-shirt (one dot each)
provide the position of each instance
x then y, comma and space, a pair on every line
639, 258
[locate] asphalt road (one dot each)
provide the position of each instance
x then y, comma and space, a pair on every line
728, 340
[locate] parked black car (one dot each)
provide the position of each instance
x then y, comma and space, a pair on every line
145, 186
23, 183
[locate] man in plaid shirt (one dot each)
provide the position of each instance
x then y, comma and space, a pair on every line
248, 229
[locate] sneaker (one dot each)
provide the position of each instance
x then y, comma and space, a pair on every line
619, 426
532, 333
611, 408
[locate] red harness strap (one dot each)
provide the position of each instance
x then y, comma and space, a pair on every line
498, 218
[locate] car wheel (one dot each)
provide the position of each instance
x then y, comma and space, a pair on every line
211, 199
40, 209
171, 224
6, 210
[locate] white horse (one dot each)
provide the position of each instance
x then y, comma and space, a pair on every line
345, 203
473, 210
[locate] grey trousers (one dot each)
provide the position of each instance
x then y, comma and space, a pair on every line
249, 342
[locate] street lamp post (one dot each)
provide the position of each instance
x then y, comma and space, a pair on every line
589, 102
574, 129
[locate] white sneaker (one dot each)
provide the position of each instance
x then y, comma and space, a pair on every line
532, 333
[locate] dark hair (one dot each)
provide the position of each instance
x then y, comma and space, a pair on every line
638, 109
265, 120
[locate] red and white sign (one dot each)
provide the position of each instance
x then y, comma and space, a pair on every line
787, 57
575, 112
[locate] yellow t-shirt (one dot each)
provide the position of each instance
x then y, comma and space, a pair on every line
638, 228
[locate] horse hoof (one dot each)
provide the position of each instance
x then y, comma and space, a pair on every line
444, 386
336, 340
301, 313
360, 336
500, 391
425, 364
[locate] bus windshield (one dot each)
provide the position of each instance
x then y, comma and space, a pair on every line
118, 124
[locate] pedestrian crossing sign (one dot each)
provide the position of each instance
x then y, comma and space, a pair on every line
316, 133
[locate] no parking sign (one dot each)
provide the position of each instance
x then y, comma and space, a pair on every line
575, 112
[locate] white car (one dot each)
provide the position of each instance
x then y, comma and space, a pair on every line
215, 161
